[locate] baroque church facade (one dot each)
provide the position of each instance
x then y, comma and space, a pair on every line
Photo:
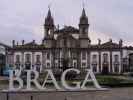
70, 47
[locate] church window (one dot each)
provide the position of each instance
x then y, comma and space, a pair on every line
56, 64
84, 55
57, 55
83, 64
38, 58
48, 65
73, 55
116, 58
48, 56
17, 58
17, 61
28, 58
116, 67
105, 57
65, 42
74, 64
94, 57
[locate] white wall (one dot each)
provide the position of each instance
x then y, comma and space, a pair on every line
2, 50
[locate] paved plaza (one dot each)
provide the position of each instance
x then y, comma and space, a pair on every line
112, 94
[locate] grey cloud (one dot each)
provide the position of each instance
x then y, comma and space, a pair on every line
110, 17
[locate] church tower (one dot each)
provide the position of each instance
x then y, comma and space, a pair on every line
48, 39
83, 30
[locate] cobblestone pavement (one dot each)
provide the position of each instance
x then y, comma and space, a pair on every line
112, 94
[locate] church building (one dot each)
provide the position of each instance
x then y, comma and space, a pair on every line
70, 47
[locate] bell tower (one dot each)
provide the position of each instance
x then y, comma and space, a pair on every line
49, 25
48, 29
83, 30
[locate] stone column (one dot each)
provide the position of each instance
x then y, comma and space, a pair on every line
100, 62
111, 62
23, 63
43, 60
88, 59
33, 60
121, 62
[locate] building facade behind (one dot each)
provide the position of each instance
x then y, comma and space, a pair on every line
3, 49
70, 47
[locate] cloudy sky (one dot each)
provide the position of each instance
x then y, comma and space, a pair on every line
24, 19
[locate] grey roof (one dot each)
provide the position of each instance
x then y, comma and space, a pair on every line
68, 29
5, 45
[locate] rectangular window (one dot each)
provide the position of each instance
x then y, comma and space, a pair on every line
56, 64
116, 68
84, 55
94, 58
17, 58
74, 64
57, 55
105, 57
48, 65
83, 64
116, 58
48, 56
38, 58
28, 58
74, 55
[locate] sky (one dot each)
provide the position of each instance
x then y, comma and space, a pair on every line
24, 19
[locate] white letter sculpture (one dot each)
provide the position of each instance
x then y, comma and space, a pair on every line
53, 80
65, 85
14, 78
29, 79
92, 79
